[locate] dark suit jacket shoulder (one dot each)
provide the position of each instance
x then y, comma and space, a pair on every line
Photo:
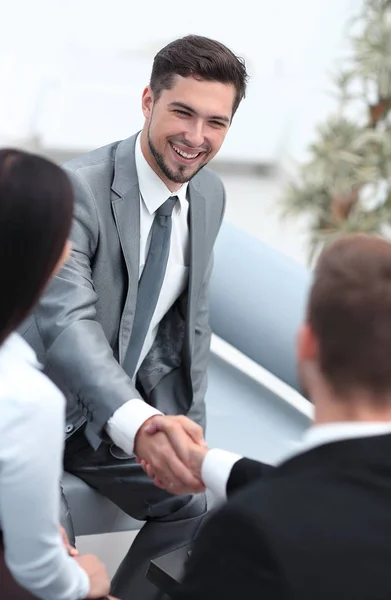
232, 559
246, 471
319, 526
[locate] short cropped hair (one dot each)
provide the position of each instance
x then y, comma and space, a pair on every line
202, 58
350, 313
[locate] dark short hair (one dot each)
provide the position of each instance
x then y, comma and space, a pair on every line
350, 313
201, 58
36, 206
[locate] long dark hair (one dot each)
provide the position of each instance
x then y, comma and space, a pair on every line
36, 207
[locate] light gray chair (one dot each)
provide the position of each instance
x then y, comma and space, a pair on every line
258, 299
257, 303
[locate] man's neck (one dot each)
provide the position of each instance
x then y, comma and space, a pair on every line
357, 406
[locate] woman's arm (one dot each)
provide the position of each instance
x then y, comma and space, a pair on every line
31, 448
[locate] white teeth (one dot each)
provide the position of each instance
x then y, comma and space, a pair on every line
184, 154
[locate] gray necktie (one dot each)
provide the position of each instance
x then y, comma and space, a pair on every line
150, 282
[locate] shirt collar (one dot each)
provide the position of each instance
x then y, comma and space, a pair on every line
318, 435
152, 189
14, 346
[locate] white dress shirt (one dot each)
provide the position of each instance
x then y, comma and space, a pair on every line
32, 416
218, 464
126, 421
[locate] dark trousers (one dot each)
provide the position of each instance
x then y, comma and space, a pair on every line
171, 521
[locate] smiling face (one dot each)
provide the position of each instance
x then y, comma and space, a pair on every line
185, 128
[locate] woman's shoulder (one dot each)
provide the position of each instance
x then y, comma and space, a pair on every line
22, 383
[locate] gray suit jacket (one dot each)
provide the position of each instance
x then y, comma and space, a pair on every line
81, 327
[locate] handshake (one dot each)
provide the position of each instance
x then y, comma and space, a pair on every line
171, 450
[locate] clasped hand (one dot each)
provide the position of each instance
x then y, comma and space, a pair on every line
171, 450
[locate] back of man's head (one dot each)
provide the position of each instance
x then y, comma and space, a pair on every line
349, 313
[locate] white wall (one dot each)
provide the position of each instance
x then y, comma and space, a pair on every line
71, 71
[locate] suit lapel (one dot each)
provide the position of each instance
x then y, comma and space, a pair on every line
197, 255
126, 210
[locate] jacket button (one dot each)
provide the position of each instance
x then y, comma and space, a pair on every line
69, 428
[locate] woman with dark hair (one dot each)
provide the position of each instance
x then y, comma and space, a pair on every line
36, 206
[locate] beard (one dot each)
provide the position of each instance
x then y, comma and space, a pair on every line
180, 175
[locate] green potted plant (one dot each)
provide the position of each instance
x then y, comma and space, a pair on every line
345, 186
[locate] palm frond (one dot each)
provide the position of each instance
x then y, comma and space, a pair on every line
349, 157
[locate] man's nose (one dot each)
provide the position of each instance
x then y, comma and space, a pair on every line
195, 134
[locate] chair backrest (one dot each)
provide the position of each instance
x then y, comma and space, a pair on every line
258, 299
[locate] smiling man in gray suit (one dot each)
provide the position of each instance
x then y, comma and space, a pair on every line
123, 329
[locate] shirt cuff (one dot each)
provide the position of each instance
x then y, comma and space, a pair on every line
216, 470
123, 426
84, 584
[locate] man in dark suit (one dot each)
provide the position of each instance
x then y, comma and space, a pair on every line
123, 329
319, 524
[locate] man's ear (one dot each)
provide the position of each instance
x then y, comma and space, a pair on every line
147, 102
307, 345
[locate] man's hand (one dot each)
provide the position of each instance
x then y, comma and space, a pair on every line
97, 575
190, 448
155, 449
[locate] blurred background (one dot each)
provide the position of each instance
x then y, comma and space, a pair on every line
308, 155
72, 73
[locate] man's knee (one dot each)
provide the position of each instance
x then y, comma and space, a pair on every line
177, 508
